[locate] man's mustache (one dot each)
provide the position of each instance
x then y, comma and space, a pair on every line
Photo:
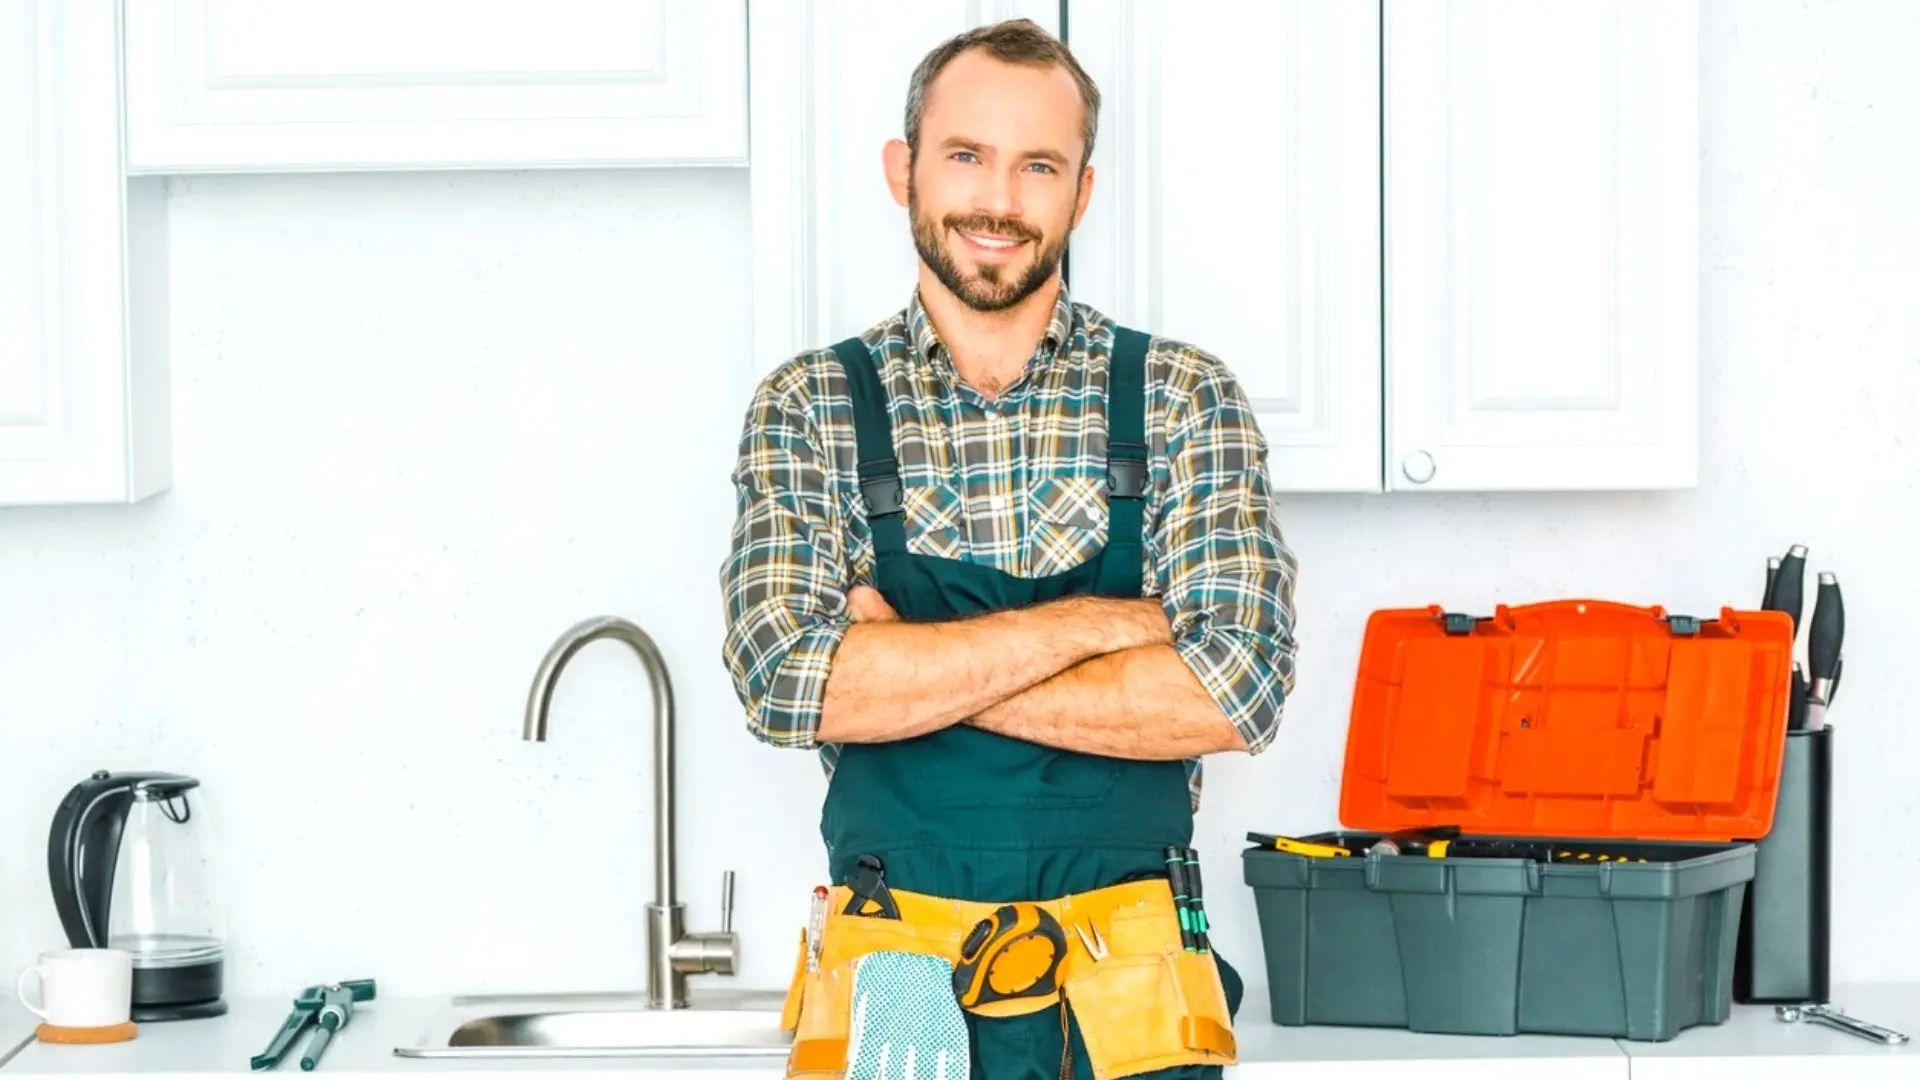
992, 226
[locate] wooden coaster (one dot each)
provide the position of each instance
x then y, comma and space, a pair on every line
81, 1036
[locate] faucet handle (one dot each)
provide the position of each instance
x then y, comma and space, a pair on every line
726, 902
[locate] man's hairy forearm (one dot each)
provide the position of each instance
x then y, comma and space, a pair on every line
894, 680
1144, 703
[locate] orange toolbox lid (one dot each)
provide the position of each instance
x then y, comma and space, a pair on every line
1569, 718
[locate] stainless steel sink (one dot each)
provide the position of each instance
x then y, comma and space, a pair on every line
715, 1024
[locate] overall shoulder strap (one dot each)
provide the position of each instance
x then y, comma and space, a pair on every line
1127, 415
1126, 459
879, 470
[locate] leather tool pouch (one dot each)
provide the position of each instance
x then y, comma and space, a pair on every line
1151, 1004
819, 1003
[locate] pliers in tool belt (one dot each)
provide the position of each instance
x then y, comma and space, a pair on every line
868, 882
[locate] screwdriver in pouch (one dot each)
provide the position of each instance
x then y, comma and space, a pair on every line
1177, 880
1196, 899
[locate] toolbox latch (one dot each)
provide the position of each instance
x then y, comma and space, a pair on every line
1458, 623
1683, 625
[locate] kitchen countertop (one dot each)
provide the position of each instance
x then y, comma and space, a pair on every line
1753, 1045
16, 1027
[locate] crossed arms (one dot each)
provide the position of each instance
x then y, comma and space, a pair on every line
1203, 668
1092, 674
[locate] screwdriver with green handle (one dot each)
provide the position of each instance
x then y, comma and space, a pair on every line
328, 1008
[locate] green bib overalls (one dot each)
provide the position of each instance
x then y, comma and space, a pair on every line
968, 814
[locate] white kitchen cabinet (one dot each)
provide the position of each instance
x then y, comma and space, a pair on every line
832, 251
1236, 205
1444, 244
84, 395
1542, 270
318, 85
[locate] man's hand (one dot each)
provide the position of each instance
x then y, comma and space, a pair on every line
1144, 704
891, 679
869, 606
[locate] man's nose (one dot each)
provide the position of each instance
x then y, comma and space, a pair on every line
999, 195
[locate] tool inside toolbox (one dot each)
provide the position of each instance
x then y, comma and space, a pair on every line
1450, 844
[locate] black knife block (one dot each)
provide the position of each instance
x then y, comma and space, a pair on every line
1782, 956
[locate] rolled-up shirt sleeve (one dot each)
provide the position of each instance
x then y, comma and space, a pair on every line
1226, 572
786, 609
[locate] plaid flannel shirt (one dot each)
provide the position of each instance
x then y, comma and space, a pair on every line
1015, 483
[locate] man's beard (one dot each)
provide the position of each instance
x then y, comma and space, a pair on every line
987, 291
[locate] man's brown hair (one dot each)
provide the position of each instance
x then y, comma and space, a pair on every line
1015, 41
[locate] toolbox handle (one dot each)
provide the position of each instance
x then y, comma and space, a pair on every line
1460, 624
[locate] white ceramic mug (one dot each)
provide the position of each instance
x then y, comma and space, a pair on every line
81, 988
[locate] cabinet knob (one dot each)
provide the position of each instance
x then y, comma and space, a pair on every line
1418, 466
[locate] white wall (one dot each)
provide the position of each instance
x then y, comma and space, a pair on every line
426, 422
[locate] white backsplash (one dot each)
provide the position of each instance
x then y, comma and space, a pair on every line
427, 422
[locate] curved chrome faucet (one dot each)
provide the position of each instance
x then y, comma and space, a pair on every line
672, 953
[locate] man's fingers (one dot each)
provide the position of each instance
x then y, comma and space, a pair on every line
868, 605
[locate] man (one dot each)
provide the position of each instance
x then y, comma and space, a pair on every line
1012, 570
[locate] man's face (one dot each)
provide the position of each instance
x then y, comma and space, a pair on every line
997, 186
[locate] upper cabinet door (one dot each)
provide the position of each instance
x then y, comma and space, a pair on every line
832, 250
1541, 244
84, 413
1236, 205
247, 86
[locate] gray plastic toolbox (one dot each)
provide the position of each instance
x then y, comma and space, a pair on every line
1594, 763
1484, 946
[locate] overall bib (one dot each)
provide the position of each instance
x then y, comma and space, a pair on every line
966, 814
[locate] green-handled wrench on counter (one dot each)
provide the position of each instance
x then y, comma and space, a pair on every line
328, 1007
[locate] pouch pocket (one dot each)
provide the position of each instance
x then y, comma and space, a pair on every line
796, 989
1154, 1011
818, 1009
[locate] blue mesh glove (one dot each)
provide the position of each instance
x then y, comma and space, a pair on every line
906, 1023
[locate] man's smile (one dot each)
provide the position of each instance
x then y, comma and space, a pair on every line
990, 242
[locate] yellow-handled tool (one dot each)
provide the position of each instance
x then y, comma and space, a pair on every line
1297, 847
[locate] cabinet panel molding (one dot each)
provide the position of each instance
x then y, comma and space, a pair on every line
84, 393
1541, 245
245, 86
1236, 206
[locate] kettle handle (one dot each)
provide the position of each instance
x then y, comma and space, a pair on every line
84, 843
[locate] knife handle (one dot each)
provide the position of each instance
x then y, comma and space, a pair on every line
1798, 701
1825, 630
1773, 575
1790, 584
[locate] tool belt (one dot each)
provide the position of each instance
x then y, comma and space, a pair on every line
1149, 1003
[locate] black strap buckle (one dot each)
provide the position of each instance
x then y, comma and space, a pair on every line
883, 496
881, 489
1126, 471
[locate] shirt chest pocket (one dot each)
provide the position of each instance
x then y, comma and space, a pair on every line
936, 520
1068, 522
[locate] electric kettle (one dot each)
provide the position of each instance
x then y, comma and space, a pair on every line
129, 861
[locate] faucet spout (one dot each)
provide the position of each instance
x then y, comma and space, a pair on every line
673, 954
